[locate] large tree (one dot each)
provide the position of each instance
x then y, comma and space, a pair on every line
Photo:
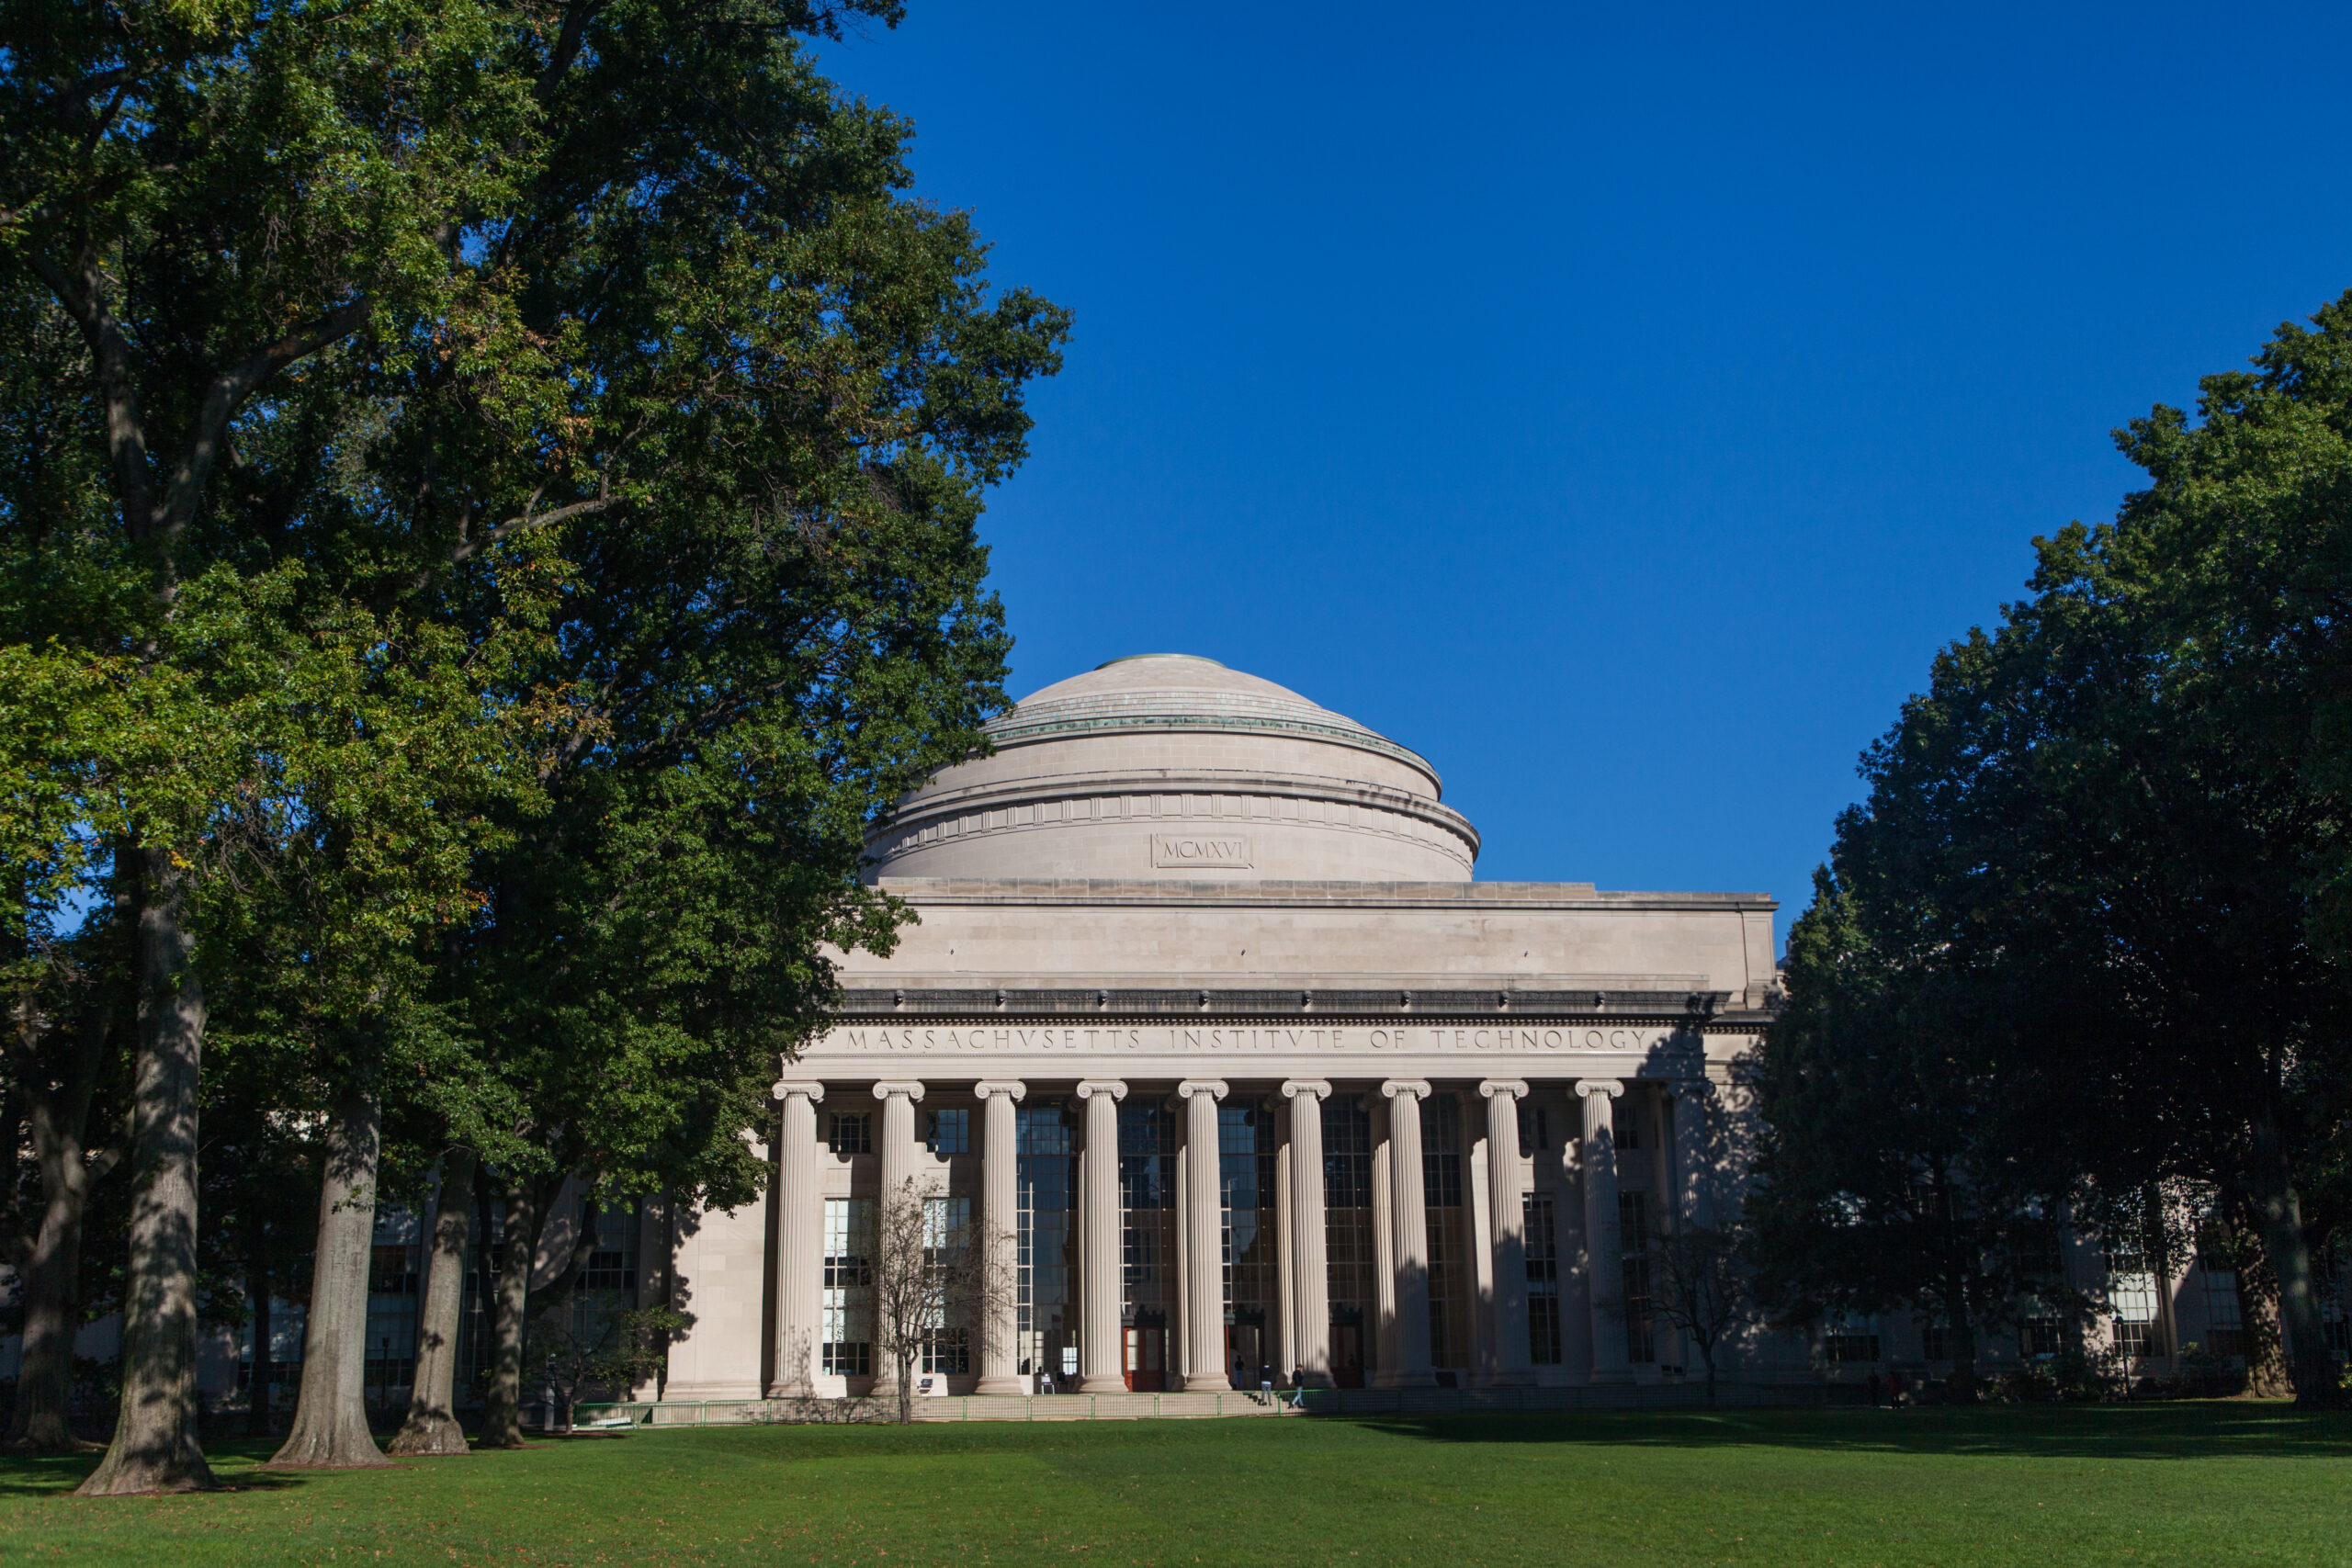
2114, 831
440, 314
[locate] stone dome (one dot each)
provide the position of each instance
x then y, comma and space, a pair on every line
1168, 766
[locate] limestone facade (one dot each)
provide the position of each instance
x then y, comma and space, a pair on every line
1206, 1019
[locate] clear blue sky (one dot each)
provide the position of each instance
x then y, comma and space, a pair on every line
1618, 405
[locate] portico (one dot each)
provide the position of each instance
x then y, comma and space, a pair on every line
1204, 1017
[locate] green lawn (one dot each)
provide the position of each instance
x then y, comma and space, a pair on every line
2225, 1484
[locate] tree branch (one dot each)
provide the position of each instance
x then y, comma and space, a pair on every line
228, 391
84, 299
528, 521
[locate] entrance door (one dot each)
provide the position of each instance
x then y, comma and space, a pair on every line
1347, 1354
1245, 1354
1146, 1358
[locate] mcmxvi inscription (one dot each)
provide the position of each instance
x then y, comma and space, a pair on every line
1223, 852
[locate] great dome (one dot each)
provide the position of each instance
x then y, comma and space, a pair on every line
1164, 765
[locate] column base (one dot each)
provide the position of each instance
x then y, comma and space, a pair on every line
1214, 1383
1099, 1382
1402, 1379
1003, 1382
1506, 1380
782, 1391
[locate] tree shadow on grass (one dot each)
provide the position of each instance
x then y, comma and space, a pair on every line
2197, 1431
233, 1460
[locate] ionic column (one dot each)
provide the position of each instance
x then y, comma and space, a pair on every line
800, 1244
999, 1237
895, 1145
1408, 1206
1310, 1289
1687, 1177
1204, 1240
1383, 1245
1604, 1250
1099, 1340
1508, 1222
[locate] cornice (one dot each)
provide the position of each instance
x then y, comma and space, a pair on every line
1201, 1004
948, 892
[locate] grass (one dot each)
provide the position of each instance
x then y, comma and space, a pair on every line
2231, 1483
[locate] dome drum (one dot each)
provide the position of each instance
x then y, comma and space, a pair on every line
1167, 766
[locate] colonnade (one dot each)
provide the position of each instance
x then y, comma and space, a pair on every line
1401, 1263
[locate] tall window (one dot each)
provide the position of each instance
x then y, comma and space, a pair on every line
393, 1277
2224, 1318
1634, 1233
2133, 1292
947, 1132
946, 1236
1245, 1149
848, 1300
1535, 1134
1148, 1140
608, 1284
2041, 1337
852, 1132
1849, 1341
1046, 1176
1625, 1125
1349, 1258
1448, 1227
1542, 1283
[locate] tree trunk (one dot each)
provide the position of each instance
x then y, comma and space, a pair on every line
50, 1279
155, 1447
501, 1425
2308, 1366
331, 1413
257, 1387
1961, 1390
432, 1426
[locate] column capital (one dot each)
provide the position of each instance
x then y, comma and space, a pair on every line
1213, 1088
784, 1088
1314, 1088
1515, 1088
1614, 1087
1687, 1088
1089, 1087
1417, 1088
907, 1086
1012, 1089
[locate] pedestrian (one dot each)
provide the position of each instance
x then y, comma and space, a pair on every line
1894, 1387
1873, 1388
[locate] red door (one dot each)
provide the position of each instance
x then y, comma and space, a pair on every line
1347, 1354
1146, 1360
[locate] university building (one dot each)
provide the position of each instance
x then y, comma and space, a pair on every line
1205, 1009
1206, 1016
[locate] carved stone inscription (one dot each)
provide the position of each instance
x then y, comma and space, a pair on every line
1177, 1040
1219, 850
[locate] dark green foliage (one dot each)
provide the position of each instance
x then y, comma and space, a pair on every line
2088, 926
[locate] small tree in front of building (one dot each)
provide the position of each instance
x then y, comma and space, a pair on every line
935, 1277
1701, 1285
617, 1350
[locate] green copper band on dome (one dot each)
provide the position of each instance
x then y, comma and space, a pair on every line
1012, 731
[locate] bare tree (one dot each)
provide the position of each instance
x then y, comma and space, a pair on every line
1701, 1285
934, 1277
